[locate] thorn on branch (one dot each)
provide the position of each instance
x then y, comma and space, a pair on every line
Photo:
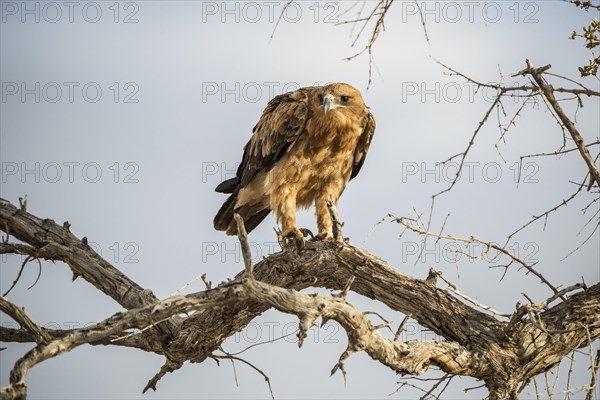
207, 283
432, 277
545, 215
342, 295
23, 203
417, 228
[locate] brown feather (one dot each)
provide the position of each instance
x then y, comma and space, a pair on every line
299, 155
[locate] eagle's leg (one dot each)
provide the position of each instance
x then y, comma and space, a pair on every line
293, 233
324, 222
286, 214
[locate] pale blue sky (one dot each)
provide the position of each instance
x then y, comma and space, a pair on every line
133, 167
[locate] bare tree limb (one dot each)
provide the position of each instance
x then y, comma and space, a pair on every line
413, 357
123, 339
548, 212
406, 222
548, 91
55, 242
380, 10
502, 354
19, 315
138, 318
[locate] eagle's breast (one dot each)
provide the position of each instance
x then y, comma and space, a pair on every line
318, 162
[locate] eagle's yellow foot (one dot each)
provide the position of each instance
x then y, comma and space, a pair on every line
294, 236
324, 236
329, 236
307, 232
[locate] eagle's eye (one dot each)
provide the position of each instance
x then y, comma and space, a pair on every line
345, 99
320, 99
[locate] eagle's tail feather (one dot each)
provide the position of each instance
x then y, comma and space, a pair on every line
251, 214
225, 214
255, 219
227, 186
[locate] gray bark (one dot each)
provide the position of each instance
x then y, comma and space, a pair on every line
502, 354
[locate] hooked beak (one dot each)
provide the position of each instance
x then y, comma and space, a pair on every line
328, 103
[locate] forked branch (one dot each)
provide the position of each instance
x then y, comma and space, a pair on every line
476, 344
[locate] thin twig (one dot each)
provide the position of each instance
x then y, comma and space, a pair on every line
546, 213
401, 328
422, 20
548, 92
231, 357
243, 237
473, 239
27, 259
594, 380
455, 290
279, 19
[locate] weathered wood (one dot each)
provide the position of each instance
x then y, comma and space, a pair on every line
56, 242
502, 354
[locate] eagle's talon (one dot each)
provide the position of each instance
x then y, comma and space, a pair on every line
293, 236
324, 236
306, 232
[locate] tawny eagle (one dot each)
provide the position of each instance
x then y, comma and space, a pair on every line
304, 149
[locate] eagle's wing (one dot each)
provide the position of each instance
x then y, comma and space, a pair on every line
363, 144
281, 123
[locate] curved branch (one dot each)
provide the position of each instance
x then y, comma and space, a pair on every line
19, 315
413, 357
51, 241
123, 339
325, 264
502, 354
138, 318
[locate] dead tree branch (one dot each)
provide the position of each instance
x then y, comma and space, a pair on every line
548, 91
378, 13
410, 224
476, 344
50, 241
19, 315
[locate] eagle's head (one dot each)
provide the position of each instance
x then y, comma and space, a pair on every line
340, 98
